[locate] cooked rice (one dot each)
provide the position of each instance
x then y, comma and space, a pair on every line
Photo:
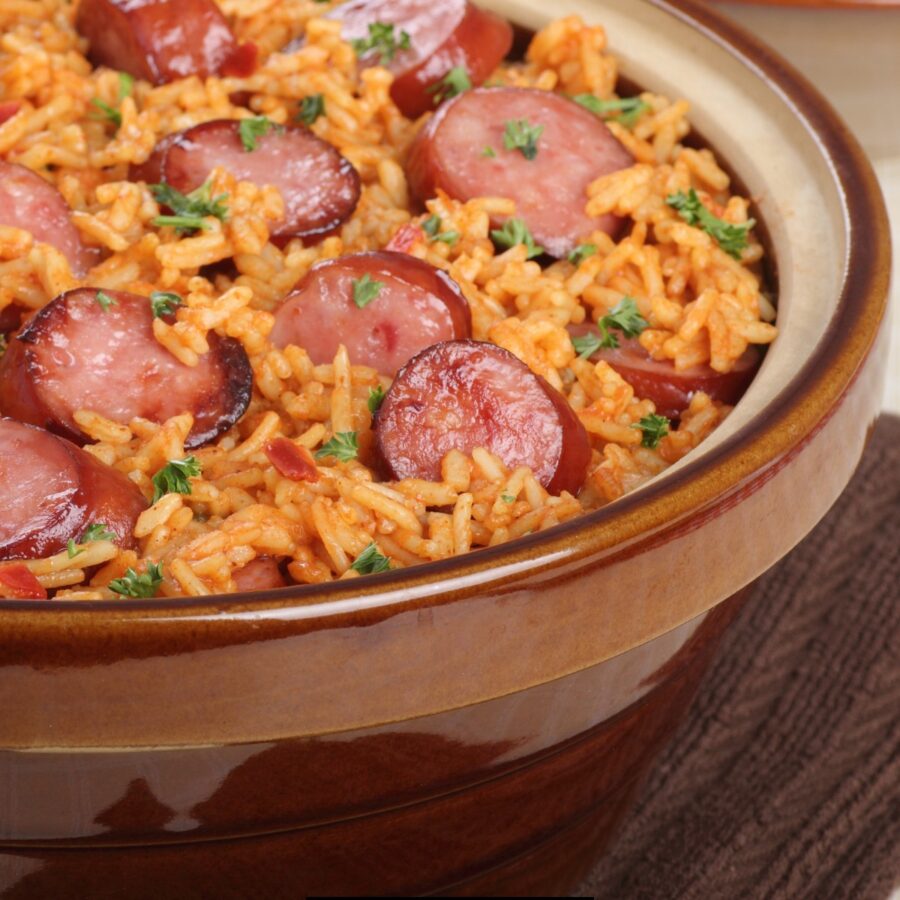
703, 306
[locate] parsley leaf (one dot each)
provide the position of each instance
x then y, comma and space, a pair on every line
624, 317
521, 135
507, 498
126, 83
98, 531
514, 231
189, 209
654, 429
454, 82
173, 477
376, 398
489, 152
105, 300
252, 129
365, 290
625, 110
133, 585
581, 253
107, 112
343, 446
731, 238
371, 561
431, 226
163, 303
311, 108
382, 40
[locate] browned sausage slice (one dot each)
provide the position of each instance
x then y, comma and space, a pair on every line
320, 188
30, 203
52, 491
160, 40
442, 36
414, 305
669, 389
260, 574
454, 152
74, 354
460, 395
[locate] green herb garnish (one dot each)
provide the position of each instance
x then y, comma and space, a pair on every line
173, 477
189, 209
311, 108
515, 231
521, 135
454, 82
164, 303
382, 40
731, 238
365, 290
507, 498
376, 398
581, 253
489, 152
625, 110
133, 585
371, 561
126, 83
654, 429
105, 300
107, 112
72, 549
343, 446
252, 129
99, 531
624, 317
432, 227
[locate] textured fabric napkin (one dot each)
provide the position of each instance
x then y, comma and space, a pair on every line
784, 782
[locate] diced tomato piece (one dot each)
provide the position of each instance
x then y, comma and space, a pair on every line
18, 582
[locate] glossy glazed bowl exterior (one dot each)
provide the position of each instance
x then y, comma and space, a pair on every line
479, 725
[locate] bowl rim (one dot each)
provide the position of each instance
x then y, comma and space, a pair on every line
624, 527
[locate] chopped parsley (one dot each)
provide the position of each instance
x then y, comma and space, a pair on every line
311, 108
454, 82
99, 531
189, 209
376, 398
521, 135
365, 290
581, 253
164, 303
432, 227
383, 41
625, 110
489, 152
624, 317
105, 300
126, 82
256, 127
343, 446
515, 231
731, 238
173, 477
371, 561
507, 498
72, 549
654, 429
133, 585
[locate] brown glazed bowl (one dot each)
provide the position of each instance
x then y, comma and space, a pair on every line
479, 725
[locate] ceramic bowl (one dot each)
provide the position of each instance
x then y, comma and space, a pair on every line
478, 725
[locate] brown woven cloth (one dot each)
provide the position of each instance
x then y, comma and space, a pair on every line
785, 780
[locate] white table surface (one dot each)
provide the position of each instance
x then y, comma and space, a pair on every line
853, 57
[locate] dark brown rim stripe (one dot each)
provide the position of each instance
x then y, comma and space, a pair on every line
787, 422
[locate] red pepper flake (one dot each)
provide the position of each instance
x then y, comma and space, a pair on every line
403, 240
292, 461
18, 582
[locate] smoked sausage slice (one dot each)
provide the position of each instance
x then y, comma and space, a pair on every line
75, 354
30, 203
466, 394
162, 40
319, 186
442, 36
260, 574
669, 389
461, 150
52, 491
415, 305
